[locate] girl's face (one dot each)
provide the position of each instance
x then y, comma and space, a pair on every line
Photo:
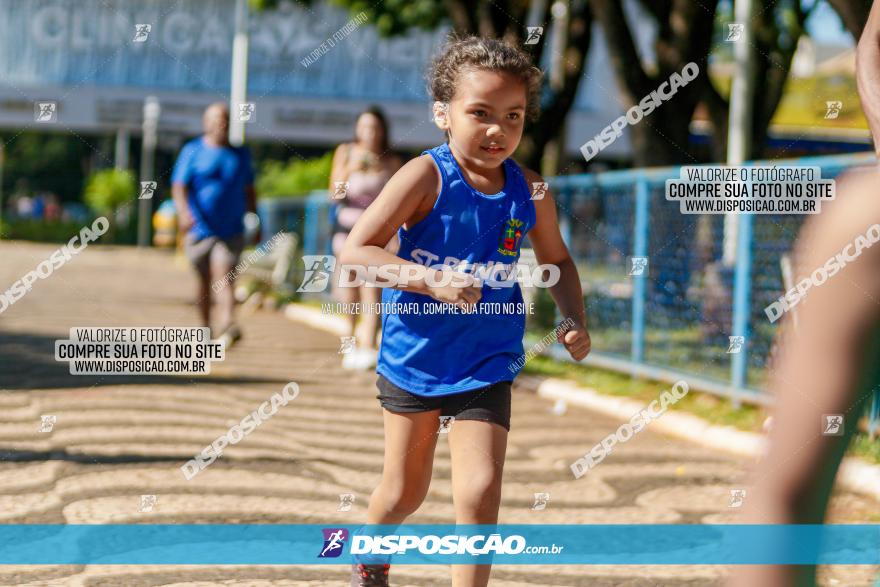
485, 117
369, 131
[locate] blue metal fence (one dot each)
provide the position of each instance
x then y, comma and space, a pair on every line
675, 319
687, 304
311, 217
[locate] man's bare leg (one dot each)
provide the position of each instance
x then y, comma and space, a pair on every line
203, 294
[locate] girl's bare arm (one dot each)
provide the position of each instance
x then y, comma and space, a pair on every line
397, 203
550, 249
338, 170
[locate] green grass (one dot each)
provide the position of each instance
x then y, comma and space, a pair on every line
866, 448
40, 230
681, 347
709, 407
713, 409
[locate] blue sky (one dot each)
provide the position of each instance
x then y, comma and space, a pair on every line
824, 25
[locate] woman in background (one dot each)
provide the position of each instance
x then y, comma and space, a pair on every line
359, 172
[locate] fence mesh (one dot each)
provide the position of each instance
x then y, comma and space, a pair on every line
688, 290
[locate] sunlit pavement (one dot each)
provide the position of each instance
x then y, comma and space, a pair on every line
117, 438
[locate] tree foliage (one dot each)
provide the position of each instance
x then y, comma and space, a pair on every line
492, 19
108, 189
35, 162
295, 178
777, 29
684, 35
685, 31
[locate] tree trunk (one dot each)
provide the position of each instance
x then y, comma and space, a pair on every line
684, 36
552, 117
661, 139
771, 72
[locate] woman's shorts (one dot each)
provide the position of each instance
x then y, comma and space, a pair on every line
488, 404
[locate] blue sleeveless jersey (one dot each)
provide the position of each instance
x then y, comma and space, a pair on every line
425, 349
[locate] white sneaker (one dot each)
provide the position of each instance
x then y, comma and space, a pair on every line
359, 359
230, 336
368, 359
349, 360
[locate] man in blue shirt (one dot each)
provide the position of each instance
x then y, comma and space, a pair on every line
212, 187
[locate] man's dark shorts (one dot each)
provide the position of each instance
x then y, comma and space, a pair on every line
488, 404
222, 251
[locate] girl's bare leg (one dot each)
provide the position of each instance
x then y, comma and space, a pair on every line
478, 450
410, 439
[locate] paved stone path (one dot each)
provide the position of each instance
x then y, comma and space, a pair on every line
117, 438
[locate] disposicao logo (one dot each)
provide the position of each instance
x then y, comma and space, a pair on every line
334, 542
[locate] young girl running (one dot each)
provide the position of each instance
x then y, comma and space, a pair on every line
459, 208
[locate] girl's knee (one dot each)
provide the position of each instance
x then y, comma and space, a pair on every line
399, 499
480, 494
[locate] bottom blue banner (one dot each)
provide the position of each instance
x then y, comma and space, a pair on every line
279, 544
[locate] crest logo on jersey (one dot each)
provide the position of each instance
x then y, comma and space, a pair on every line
510, 237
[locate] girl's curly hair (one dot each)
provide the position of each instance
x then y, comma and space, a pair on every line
467, 53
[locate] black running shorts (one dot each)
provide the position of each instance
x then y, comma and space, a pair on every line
488, 404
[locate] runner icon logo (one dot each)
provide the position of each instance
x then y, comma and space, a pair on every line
147, 503
445, 424
534, 34
334, 542
638, 265
833, 425
346, 500
832, 109
45, 111
47, 423
735, 32
148, 188
737, 496
736, 344
319, 268
142, 32
541, 500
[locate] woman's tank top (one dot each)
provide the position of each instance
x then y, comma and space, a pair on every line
363, 189
430, 353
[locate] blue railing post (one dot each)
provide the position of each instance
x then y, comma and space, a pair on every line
565, 218
874, 415
742, 294
332, 210
640, 289
312, 225
266, 210
563, 210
